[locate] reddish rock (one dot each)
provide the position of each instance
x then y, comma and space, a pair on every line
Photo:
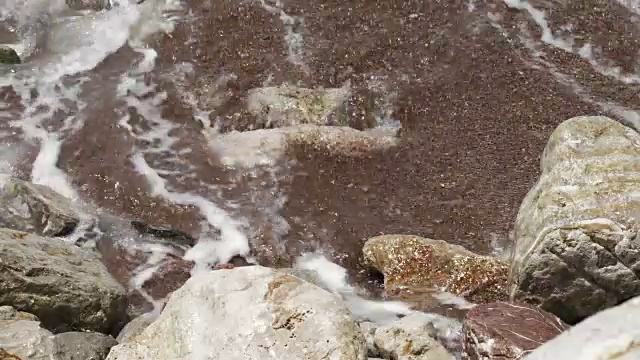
506, 331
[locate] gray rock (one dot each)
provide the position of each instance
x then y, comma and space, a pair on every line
413, 338
576, 250
9, 56
34, 208
82, 346
9, 313
135, 327
27, 340
610, 334
369, 330
248, 313
65, 286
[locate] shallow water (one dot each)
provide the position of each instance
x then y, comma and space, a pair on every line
109, 109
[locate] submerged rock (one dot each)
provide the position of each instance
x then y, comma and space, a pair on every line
35, 208
286, 105
415, 264
166, 233
248, 313
576, 247
9, 56
507, 331
65, 286
269, 146
610, 334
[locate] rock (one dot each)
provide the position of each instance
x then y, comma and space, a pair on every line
35, 208
136, 327
95, 5
9, 56
25, 339
286, 105
415, 264
65, 286
576, 251
609, 334
9, 313
173, 236
507, 331
411, 338
82, 346
248, 313
369, 330
269, 146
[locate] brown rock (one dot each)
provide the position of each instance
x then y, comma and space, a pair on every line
506, 331
416, 265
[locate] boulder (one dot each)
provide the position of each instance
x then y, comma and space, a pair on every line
248, 313
9, 56
65, 286
609, 334
82, 346
415, 265
507, 331
413, 338
25, 339
576, 248
269, 146
9, 313
35, 208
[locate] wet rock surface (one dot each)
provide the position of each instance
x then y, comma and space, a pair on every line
576, 247
65, 286
29, 207
413, 265
503, 330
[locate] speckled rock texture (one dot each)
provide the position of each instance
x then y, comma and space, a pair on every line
65, 286
576, 248
248, 313
507, 331
35, 208
609, 334
286, 105
412, 264
413, 338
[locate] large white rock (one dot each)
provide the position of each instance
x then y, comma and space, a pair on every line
248, 313
577, 248
611, 334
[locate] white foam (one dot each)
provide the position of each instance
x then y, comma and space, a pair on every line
207, 251
587, 51
334, 277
